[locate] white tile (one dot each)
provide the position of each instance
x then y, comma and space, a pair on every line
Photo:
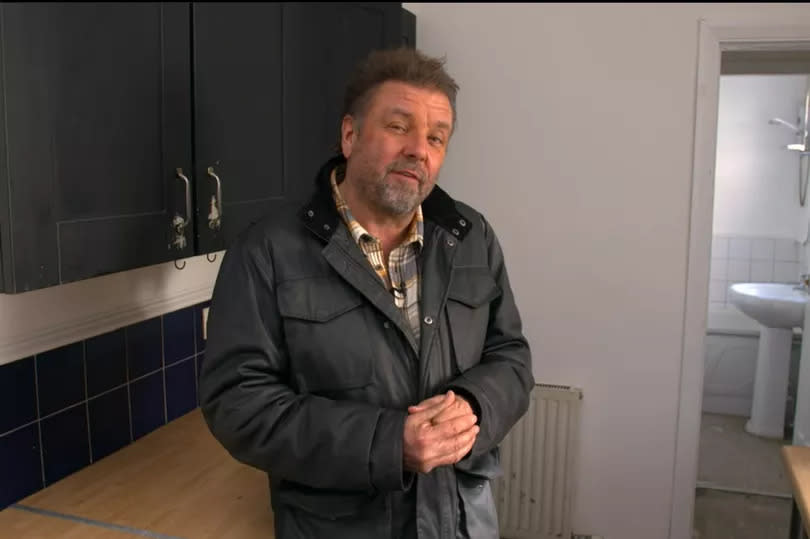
719, 247
786, 272
717, 291
762, 271
739, 248
786, 251
719, 268
739, 270
762, 249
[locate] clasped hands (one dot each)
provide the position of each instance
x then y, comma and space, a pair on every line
439, 431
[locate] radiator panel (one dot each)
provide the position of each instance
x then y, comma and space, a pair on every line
535, 494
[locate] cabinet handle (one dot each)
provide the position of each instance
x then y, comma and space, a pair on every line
179, 223
188, 194
215, 214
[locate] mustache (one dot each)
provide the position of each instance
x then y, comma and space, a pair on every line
413, 168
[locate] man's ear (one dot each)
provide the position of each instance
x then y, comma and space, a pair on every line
348, 134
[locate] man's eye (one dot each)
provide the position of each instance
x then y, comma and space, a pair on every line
437, 140
398, 127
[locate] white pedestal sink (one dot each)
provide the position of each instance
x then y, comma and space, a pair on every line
778, 308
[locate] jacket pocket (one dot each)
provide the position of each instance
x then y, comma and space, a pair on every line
324, 321
471, 291
323, 503
300, 511
478, 518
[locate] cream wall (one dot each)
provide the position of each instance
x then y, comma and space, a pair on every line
576, 130
756, 192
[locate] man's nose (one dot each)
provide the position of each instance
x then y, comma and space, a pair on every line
416, 147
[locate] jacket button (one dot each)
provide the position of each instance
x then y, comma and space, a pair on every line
455, 232
428, 320
310, 214
387, 324
462, 222
450, 243
326, 227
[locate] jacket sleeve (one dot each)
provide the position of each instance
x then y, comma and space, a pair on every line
255, 414
499, 386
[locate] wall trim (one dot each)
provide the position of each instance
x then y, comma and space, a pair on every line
727, 34
28, 344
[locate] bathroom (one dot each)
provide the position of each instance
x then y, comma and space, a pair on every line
760, 228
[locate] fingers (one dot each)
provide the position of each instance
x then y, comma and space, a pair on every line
451, 428
455, 450
427, 446
459, 408
428, 411
430, 403
439, 431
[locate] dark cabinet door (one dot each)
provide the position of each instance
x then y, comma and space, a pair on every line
237, 117
97, 105
322, 44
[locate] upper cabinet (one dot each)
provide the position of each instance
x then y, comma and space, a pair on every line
135, 134
95, 146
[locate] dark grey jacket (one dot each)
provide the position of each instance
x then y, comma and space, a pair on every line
310, 367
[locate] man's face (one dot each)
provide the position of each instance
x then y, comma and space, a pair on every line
395, 152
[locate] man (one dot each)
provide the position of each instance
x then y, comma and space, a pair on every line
366, 350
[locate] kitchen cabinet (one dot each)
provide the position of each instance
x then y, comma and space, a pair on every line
140, 133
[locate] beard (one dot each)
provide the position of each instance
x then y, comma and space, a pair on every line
393, 196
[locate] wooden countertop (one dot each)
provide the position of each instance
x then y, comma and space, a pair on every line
177, 481
797, 463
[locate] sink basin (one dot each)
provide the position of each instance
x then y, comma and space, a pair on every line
778, 308
773, 305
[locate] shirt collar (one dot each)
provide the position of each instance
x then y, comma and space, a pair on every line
416, 229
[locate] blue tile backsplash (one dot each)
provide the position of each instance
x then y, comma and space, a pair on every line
65, 447
18, 394
181, 389
178, 336
106, 360
20, 465
144, 347
148, 404
109, 423
63, 409
60, 378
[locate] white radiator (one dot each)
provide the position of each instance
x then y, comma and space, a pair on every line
534, 495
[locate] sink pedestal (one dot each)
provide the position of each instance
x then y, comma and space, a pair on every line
771, 383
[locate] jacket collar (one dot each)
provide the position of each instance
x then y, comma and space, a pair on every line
320, 214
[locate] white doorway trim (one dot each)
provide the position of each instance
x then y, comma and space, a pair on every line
760, 33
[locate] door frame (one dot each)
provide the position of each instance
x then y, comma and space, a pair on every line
773, 33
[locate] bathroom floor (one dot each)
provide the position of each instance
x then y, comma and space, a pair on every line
743, 491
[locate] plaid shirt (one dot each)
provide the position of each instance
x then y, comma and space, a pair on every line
401, 268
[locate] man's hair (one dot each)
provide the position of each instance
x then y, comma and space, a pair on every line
403, 65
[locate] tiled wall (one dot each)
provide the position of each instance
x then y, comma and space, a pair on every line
738, 259
66, 408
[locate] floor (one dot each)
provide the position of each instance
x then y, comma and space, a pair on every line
743, 491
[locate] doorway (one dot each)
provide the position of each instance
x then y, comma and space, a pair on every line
775, 49
758, 237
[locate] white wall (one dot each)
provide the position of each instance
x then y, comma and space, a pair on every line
756, 188
576, 130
